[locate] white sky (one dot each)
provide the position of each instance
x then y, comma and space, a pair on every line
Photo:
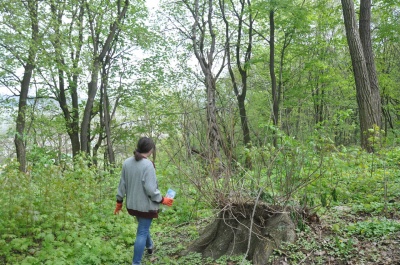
152, 4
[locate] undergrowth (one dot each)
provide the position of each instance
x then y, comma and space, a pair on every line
63, 214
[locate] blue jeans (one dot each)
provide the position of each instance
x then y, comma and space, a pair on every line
143, 239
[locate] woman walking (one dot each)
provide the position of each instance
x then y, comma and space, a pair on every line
139, 184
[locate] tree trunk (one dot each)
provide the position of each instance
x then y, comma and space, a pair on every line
205, 56
245, 229
367, 108
92, 91
106, 114
243, 120
71, 117
19, 139
213, 129
318, 101
100, 130
274, 92
93, 84
73, 87
96, 147
366, 41
242, 67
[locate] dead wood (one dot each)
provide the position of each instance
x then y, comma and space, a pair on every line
236, 231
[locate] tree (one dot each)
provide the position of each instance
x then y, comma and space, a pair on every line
26, 80
236, 229
240, 53
284, 38
100, 50
16, 18
105, 103
366, 40
65, 92
72, 59
203, 36
368, 98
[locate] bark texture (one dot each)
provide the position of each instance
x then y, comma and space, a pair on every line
366, 41
367, 96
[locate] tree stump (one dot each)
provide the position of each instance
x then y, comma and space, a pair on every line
238, 230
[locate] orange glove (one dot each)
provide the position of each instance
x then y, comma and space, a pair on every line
118, 208
167, 201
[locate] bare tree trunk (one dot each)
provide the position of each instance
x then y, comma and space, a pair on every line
366, 104
100, 130
19, 139
96, 148
73, 86
276, 86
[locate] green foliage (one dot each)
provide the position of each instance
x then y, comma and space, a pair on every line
376, 208
332, 246
193, 258
344, 247
49, 212
374, 228
63, 215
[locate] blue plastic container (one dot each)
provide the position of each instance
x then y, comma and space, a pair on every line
170, 193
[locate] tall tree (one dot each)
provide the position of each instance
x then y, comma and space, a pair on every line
28, 65
368, 98
71, 59
239, 43
276, 24
100, 50
105, 112
276, 98
366, 41
66, 87
203, 36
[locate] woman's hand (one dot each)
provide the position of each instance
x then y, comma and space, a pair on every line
167, 201
118, 208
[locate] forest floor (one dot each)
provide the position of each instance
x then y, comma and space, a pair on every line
354, 235
345, 235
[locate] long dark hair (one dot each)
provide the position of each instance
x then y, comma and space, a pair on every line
144, 146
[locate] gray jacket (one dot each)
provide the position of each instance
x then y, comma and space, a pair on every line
139, 184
